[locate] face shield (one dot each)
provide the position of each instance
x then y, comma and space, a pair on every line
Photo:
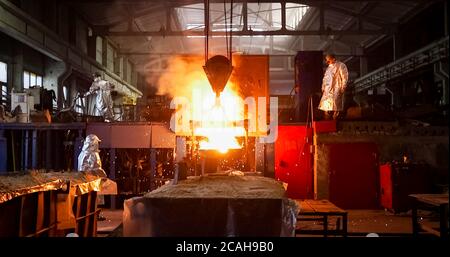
89, 158
91, 143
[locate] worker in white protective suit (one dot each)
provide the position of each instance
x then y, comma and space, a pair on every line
333, 87
103, 101
89, 160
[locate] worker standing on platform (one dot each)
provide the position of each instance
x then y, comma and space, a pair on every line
103, 100
333, 87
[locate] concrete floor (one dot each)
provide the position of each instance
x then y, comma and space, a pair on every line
110, 224
363, 222
360, 223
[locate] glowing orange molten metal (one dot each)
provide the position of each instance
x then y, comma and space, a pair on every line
217, 119
217, 122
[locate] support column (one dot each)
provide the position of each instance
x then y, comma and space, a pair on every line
49, 163
260, 157
153, 163
396, 46
34, 150
244, 16
17, 68
322, 17
446, 18
168, 18
362, 66
77, 148
283, 15
3, 152
112, 173
25, 151
105, 52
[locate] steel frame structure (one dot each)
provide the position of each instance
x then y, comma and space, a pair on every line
425, 56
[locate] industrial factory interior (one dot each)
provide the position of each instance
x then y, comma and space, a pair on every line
224, 118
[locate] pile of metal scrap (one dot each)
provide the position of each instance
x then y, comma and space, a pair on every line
15, 184
61, 201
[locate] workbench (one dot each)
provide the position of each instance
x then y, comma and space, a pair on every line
439, 201
321, 210
212, 206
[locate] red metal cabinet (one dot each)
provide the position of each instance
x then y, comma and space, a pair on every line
397, 181
386, 186
293, 160
353, 175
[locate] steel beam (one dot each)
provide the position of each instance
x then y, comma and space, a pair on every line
162, 55
187, 2
102, 32
427, 55
358, 15
245, 16
134, 16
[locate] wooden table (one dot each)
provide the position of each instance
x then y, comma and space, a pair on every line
431, 200
320, 210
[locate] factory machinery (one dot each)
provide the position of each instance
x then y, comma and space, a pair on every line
142, 156
228, 141
219, 149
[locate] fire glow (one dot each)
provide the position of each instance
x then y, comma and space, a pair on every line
217, 120
217, 123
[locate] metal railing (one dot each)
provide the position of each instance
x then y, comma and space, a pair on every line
425, 56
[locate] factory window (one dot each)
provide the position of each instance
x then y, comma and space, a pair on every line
3, 69
31, 79
294, 14
79, 106
65, 96
4, 99
3, 81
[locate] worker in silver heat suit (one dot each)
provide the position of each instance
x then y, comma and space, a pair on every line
103, 101
89, 158
333, 87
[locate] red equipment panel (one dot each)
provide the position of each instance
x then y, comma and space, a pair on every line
353, 175
324, 126
293, 160
399, 180
386, 185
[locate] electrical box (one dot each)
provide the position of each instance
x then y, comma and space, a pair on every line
26, 103
294, 160
35, 93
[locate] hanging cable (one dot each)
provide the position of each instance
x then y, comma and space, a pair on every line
231, 32
256, 20
226, 27
207, 30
